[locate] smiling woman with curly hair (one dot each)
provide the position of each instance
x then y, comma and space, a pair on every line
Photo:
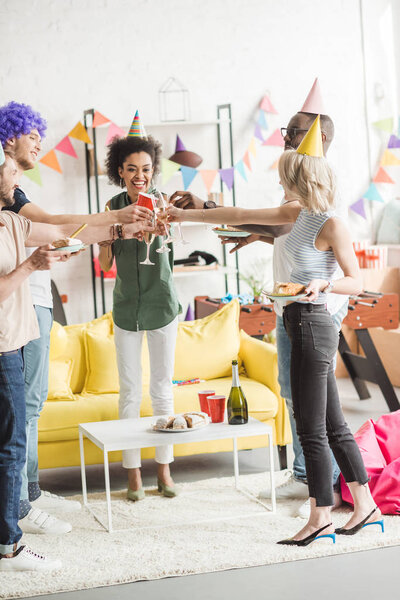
144, 300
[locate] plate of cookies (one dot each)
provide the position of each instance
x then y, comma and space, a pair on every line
181, 423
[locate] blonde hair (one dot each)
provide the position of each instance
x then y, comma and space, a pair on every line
309, 178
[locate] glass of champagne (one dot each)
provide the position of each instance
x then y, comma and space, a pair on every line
162, 216
148, 201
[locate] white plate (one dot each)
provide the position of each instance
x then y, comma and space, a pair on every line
233, 234
180, 430
278, 297
71, 249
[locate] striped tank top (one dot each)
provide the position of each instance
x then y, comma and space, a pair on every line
309, 262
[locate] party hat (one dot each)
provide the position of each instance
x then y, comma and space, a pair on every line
314, 103
312, 141
2, 157
179, 146
136, 129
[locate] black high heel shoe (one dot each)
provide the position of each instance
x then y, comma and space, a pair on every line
310, 538
361, 524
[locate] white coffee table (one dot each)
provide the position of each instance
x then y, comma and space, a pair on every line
127, 434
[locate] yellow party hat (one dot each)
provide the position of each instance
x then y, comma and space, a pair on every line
312, 141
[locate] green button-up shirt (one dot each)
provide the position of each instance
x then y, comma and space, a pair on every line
144, 295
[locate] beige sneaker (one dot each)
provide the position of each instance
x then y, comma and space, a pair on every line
39, 521
27, 560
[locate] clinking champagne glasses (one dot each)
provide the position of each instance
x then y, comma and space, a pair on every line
147, 201
160, 208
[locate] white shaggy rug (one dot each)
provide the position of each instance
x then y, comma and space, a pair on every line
161, 537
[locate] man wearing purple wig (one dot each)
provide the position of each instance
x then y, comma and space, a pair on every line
21, 131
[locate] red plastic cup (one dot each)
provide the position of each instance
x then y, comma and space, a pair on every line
216, 405
203, 395
146, 200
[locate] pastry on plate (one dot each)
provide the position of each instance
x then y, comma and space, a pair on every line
179, 423
288, 289
66, 242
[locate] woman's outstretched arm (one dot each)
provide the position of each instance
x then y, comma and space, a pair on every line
281, 215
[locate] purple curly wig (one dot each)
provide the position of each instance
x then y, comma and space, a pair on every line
19, 119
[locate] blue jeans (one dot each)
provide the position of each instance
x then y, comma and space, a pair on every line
36, 359
12, 447
284, 348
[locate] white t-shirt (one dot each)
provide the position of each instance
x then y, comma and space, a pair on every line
40, 286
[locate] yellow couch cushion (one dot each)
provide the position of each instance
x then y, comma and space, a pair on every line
101, 361
206, 347
59, 380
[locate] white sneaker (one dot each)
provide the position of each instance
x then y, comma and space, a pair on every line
39, 521
304, 510
291, 489
48, 501
27, 560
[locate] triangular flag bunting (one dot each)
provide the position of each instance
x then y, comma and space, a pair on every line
50, 160
66, 147
384, 124
168, 168
246, 160
275, 139
227, 177
382, 177
389, 159
241, 170
99, 119
188, 174
80, 133
394, 142
262, 121
34, 175
275, 164
258, 133
358, 207
266, 105
113, 132
208, 177
373, 194
252, 147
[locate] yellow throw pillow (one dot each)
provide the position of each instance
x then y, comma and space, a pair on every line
205, 348
101, 360
59, 380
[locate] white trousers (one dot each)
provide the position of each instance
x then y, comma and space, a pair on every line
161, 343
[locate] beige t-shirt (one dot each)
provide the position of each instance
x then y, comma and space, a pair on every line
18, 322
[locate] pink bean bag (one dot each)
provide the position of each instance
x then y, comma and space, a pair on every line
379, 444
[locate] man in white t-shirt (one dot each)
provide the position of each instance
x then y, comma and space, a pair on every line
21, 131
294, 486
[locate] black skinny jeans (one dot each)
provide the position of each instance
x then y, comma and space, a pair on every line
319, 419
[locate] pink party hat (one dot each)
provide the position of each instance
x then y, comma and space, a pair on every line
179, 146
313, 102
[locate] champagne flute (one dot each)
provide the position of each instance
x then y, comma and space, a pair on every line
148, 237
181, 238
162, 216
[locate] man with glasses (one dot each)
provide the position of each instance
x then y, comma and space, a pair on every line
294, 486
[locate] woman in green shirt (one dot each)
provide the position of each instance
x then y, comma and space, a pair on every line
144, 299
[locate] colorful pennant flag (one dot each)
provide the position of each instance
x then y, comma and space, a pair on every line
50, 160
373, 194
382, 177
389, 159
168, 168
188, 174
113, 132
275, 164
208, 177
394, 142
227, 177
79, 133
258, 133
99, 119
34, 175
252, 147
239, 167
275, 139
262, 121
384, 124
358, 207
267, 106
66, 147
246, 160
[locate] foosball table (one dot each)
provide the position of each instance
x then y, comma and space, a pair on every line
370, 309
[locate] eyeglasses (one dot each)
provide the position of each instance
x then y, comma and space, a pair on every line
291, 132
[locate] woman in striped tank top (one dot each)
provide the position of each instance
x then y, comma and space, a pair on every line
317, 243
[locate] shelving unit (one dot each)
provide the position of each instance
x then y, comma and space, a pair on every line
223, 125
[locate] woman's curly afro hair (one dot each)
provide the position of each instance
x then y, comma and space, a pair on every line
120, 148
19, 119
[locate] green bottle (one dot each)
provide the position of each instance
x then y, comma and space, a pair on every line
237, 403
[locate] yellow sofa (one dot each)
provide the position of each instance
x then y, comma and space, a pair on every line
83, 383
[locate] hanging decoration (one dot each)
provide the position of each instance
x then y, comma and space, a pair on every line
50, 160
358, 208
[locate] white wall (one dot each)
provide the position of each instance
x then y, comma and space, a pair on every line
64, 56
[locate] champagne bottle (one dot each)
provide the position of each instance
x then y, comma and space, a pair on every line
237, 403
